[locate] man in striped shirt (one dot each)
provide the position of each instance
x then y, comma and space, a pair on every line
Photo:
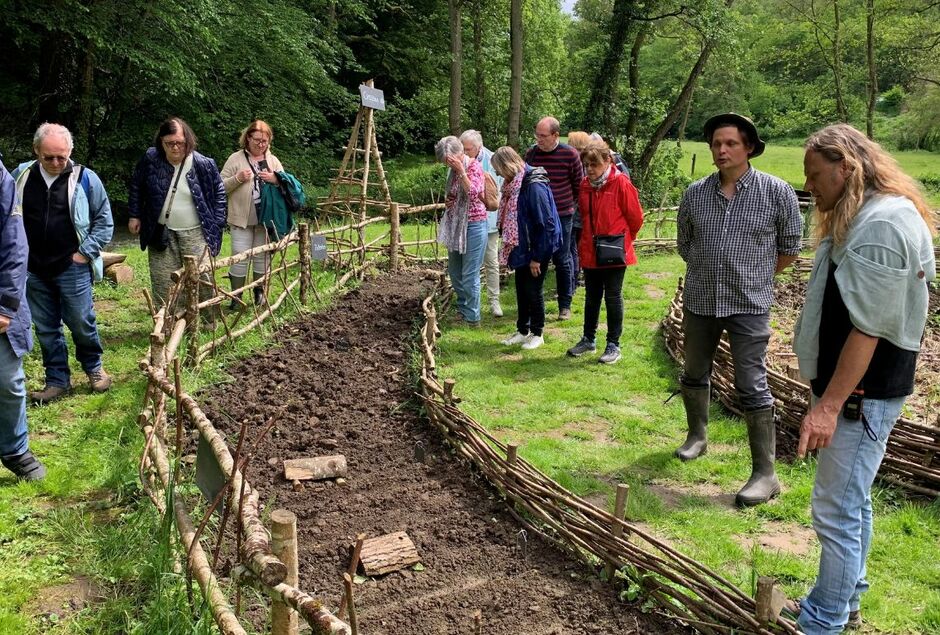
563, 164
736, 229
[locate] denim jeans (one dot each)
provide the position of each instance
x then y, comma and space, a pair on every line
842, 515
606, 284
464, 271
748, 335
65, 298
13, 439
562, 261
530, 300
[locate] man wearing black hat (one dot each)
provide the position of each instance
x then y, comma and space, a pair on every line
736, 229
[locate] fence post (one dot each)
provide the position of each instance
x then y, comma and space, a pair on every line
191, 284
394, 237
284, 546
620, 507
305, 259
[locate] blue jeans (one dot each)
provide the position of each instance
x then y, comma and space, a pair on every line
842, 515
562, 261
464, 271
13, 439
65, 298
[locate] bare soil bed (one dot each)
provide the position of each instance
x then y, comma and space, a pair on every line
339, 383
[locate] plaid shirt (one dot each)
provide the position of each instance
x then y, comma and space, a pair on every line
731, 246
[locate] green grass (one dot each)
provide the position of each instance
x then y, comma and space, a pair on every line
591, 426
786, 162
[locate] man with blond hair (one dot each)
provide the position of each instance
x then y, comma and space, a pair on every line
68, 221
857, 341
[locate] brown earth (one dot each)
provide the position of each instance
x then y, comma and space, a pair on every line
339, 383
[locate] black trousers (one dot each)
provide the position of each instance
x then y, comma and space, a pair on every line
606, 284
530, 300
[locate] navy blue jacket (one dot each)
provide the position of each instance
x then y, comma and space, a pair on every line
150, 184
14, 252
539, 224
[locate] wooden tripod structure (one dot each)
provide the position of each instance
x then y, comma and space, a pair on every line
349, 189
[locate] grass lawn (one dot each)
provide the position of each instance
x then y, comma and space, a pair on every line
591, 426
786, 162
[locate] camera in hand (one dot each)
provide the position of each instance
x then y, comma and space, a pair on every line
263, 165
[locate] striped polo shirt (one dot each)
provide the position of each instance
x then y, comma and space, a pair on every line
565, 172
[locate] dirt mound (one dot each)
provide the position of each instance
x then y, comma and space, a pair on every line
339, 384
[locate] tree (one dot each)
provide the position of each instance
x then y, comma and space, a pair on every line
872, 71
515, 89
456, 64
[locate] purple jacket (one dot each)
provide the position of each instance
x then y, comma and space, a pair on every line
151, 182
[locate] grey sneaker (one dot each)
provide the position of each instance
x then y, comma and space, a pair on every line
611, 354
583, 346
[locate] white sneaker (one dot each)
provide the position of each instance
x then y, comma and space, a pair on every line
495, 308
533, 341
515, 338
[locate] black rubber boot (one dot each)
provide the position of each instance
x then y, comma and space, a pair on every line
763, 484
259, 290
696, 402
26, 466
237, 283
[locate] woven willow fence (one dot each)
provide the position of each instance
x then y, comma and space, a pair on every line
680, 585
912, 460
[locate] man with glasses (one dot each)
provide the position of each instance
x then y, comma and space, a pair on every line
563, 164
68, 221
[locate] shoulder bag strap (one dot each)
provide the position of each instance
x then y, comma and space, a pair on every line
176, 184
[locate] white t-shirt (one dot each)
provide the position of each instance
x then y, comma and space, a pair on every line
181, 214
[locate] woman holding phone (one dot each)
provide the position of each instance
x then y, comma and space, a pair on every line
243, 174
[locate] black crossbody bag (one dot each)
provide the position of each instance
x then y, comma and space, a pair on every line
608, 248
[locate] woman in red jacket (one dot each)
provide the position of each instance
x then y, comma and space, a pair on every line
609, 205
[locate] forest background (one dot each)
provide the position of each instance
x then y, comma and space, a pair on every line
638, 72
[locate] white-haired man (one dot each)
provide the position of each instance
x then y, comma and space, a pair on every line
68, 221
473, 147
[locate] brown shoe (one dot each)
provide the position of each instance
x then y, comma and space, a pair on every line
100, 381
564, 314
48, 394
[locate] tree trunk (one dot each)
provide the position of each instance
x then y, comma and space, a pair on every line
630, 147
841, 108
478, 71
599, 110
872, 71
684, 97
685, 119
515, 83
83, 132
456, 63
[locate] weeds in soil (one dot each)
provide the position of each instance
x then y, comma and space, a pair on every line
591, 426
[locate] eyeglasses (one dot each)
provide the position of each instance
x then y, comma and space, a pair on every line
259, 140
56, 158
174, 144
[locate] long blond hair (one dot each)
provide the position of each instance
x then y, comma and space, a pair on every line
868, 167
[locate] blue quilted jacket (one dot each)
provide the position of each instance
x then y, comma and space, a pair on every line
150, 184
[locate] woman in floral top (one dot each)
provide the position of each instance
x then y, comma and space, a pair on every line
463, 226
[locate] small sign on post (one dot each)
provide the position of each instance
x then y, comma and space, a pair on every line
318, 247
372, 97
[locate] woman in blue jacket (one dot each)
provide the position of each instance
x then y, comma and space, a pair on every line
177, 204
530, 231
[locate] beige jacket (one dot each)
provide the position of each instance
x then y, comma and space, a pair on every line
239, 194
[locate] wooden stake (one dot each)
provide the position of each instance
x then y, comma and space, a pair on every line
305, 261
179, 417
350, 604
478, 622
770, 600
191, 277
394, 236
449, 391
353, 565
284, 546
620, 507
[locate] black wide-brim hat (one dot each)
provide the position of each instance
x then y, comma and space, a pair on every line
734, 119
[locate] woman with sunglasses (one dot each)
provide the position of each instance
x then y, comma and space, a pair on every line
243, 173
177, 204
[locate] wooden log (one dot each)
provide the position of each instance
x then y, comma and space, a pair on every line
770, 600
284, 546
312, 610
388, 553
316, 468
119, 274
109, 258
